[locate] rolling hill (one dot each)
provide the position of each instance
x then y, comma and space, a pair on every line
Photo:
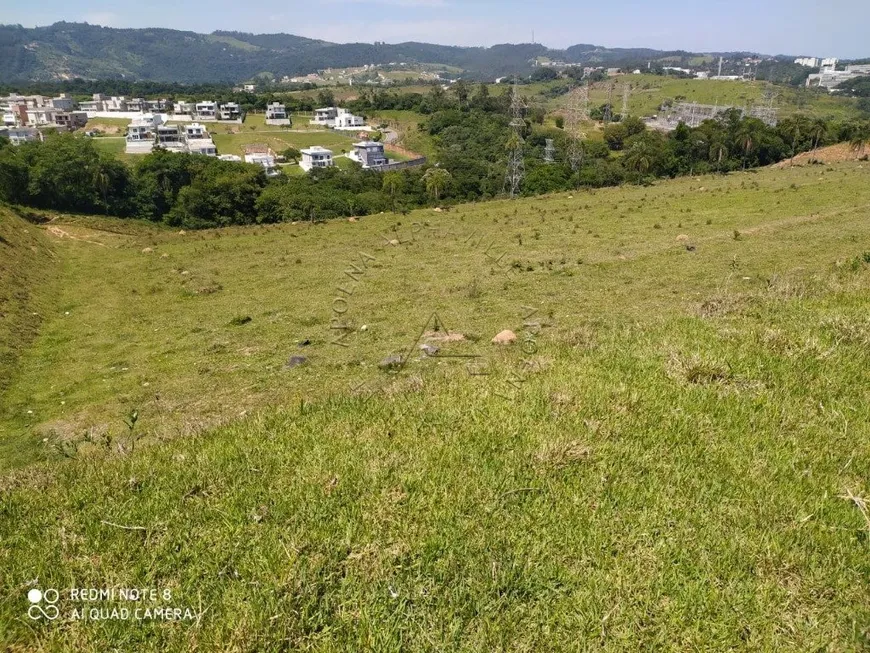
70, 50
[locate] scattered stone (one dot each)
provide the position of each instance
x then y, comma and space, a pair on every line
682, 238
296, 361
391, 362
506, 337
394, 242
690, 248
147, 250
437, 209
443, 336
182, 232
164, 255
364, 327
352, 220
305, 343
430, 350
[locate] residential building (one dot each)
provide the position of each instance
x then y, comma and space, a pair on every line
346, 120
230, 111
829, 64
235, 158
184, 108
202, 146
194, 131
19, 135
94, 105
369, 154
276, 114
207, 110
136, 104
115, 104
250, 88
8, 119
63, 103
141, 134
71, 120
40, 117
316, 157
325, 116
809, 62
861, 69
170, 137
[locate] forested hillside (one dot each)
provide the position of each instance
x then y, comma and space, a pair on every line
69, 50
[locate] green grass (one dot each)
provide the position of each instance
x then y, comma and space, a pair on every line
667, 471
280, 140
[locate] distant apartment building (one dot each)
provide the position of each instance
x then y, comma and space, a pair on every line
316, 157
809, 62
829, 64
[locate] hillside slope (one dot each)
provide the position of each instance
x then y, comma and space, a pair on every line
675, 455
27, 265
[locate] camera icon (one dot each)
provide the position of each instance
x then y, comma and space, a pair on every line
42, 604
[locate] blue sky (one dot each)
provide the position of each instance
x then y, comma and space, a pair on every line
808, 27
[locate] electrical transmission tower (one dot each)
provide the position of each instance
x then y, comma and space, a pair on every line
516, 168
549, 151
577, 114
608, 109
626, 94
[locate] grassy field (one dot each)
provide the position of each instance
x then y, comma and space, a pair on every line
280, 140
672, 456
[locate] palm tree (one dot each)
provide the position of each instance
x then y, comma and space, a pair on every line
393, 183
818, 131
436, 179
746, 142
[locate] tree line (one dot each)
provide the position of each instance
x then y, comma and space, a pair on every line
470, 130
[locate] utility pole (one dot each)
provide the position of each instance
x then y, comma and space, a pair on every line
516, 168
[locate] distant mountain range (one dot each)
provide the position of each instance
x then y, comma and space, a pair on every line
70, 50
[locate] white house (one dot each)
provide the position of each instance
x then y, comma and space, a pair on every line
19, 135
316, 157
184, 108
141, 134
230, 111
194, 131
206, 110
325, 116
202, 146
276, 114
346, 120
40, 117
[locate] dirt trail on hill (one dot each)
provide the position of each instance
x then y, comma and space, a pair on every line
61, 233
